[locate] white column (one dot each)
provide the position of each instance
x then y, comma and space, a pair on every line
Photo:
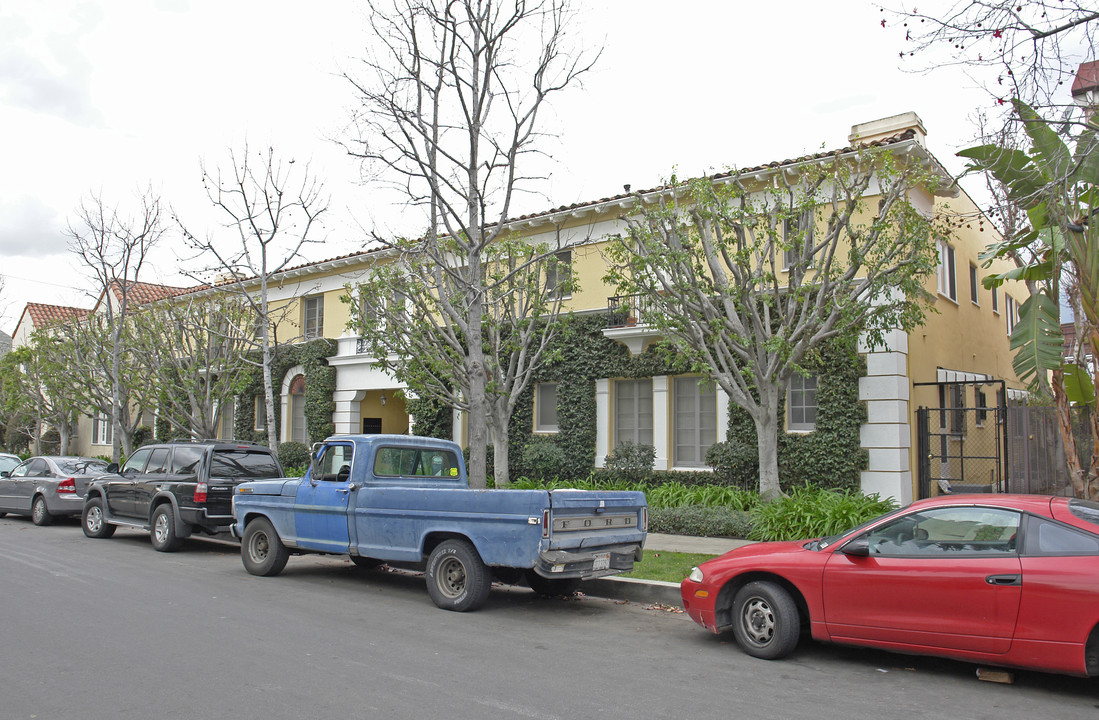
347, 417
887, 433
661, 412
602, 421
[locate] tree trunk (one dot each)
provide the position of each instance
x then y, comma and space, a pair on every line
269, 394
501, 472
1068, 440
766, 420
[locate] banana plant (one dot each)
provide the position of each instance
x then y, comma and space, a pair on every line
1058, 188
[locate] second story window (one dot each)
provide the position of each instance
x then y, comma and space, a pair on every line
948, 284
801, 403
798, 233
1012, 317
313, 324
559, 274
973, 283
995, 299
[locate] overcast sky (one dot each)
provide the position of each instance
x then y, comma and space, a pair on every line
113, 96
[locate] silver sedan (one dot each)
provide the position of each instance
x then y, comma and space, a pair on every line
46, 487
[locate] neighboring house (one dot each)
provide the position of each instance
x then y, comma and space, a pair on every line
959, 360
94, 435
5, 343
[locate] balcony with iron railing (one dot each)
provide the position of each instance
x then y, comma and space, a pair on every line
626, 322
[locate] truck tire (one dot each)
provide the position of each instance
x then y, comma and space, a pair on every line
40, 514
162, 532
457, 579
261, 550
94, 520
551, 587
765, 620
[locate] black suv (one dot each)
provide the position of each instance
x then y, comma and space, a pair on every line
175, 489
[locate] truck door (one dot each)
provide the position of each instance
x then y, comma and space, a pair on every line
320, 512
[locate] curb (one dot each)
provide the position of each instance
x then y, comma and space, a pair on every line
633, 590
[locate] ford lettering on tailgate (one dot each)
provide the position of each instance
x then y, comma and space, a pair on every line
592, 523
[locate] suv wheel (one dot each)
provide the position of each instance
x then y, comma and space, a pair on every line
163, 531
94, 521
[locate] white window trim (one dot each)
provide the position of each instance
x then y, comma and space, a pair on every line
799, 428
947, 272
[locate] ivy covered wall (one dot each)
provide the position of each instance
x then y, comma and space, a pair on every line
830, 456
320, 384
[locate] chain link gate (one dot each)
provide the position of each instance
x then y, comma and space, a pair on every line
961, 445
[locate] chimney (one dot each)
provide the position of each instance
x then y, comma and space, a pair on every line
1085, 88
868, 132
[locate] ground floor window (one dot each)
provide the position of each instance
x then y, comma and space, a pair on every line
545, 407
101, 430
633, 411
297, 410
694, 420
801, 403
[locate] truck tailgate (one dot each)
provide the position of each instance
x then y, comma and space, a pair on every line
586, 519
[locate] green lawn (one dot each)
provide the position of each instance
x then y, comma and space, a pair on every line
669, 566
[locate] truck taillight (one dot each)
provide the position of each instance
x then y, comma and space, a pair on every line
545, 523
66, 486
644, 519
200, 492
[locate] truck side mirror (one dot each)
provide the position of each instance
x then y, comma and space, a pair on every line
315, 462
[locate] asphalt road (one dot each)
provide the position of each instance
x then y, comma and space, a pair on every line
111, 629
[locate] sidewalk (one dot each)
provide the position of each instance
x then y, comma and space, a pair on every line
655, 591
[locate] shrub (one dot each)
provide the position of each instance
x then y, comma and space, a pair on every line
631, 459
293, 454
735, 463
544, 458
143, 436
701, 521
809, 512
295, 471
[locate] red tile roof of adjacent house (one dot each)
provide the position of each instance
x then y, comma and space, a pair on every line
1087, 78
141, 292
45, 315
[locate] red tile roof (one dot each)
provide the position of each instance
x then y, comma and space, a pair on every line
900, 137
142, 293
43, 315
1087, 78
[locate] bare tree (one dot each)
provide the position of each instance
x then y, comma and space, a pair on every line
114, 246
51, 387
272, 205
450, 110
746, 280
1033, 47
192, 350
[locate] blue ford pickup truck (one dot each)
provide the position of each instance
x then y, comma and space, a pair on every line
406, 500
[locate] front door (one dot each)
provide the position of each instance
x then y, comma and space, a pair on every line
320, 513
945, 577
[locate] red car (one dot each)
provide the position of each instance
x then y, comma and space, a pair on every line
1005, 580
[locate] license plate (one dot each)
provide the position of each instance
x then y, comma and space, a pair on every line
602, 562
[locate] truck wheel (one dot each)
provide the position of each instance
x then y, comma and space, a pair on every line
163, 533
366, 562
39, 513
765, 620
551, 587
457, 579
261, 549
94, 521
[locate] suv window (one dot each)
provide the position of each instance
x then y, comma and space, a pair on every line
158, 461
243, 464
186, 459
136, 463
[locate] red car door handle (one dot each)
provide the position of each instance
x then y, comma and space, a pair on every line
1004, 579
